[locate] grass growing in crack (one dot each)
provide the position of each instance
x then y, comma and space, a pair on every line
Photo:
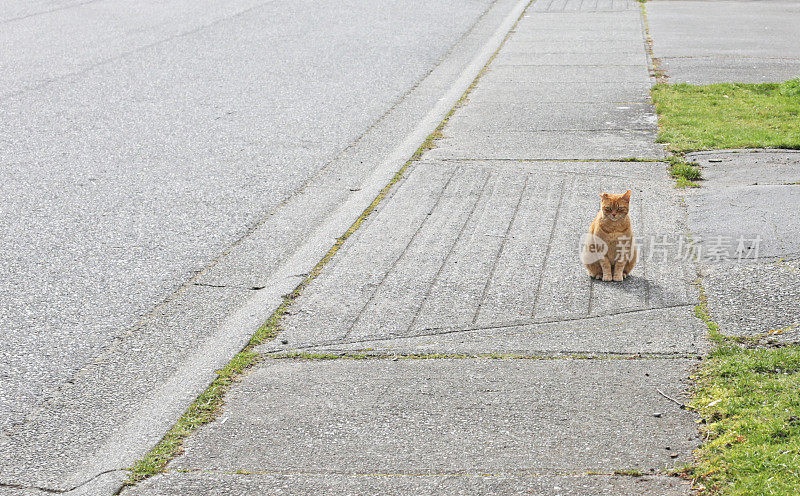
629, 472
730, 115
202, 411
685, 173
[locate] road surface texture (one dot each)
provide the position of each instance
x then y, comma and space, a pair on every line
142, 144
475, 356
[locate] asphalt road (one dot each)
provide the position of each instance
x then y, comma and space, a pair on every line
140, 140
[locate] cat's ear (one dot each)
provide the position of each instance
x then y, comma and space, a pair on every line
604, 196
627, 195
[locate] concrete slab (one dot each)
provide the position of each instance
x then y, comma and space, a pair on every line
750, 299
210, 483
723, 168
572, 46
488, 244
539, 116
462, 416
752, 289
591, 59
709, 70
583, 6
755, 189
702, 42
666, 331
553, 145
588, 21
626, 35
573, 93
567, 74
760, 213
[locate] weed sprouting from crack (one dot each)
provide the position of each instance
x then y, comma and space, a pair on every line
655, 67
702, 313
628, 472
685, 173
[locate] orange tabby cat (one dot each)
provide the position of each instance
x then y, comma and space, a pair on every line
609, 243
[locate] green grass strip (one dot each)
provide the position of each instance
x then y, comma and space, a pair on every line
730, 115
749, 401
749, 405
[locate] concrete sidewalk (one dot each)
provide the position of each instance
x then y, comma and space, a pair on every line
725, 41
493, 365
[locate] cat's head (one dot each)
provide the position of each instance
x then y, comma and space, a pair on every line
615, 207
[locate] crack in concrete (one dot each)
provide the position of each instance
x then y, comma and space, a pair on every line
517, 473
734, 57
450, 330
337, 354
233, 286
59, 491
577, 160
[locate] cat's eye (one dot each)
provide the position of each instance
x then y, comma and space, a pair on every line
608, 209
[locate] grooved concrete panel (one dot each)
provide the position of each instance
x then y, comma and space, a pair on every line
207, 484
449, 416
488, 244
726, 41
583, 5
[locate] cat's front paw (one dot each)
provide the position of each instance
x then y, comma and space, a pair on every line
606, 277
619, 277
